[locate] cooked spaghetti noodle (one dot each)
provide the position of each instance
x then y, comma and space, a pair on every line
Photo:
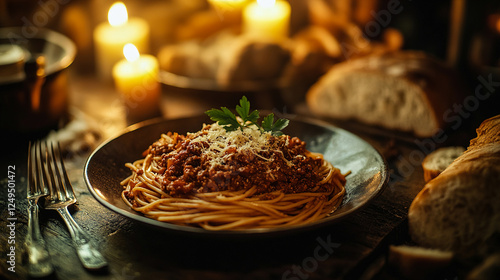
234, 180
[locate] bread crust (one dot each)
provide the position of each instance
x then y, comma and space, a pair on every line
437, 84
487, 132
459, 210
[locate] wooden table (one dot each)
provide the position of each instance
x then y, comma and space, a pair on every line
352, 249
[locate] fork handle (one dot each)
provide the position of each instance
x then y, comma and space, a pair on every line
89, 256
39, 258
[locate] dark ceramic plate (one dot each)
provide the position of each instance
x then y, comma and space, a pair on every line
105, 168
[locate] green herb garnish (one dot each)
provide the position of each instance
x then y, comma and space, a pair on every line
230, 122
268, 124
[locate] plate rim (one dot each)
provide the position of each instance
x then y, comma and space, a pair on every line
206, 84
137, 217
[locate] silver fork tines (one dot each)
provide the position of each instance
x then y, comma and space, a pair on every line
39, 258
61, 196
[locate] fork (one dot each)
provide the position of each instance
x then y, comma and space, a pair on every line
61, 196
39, 258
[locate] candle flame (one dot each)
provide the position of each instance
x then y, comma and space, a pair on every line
130, 52
266, 3
117, 14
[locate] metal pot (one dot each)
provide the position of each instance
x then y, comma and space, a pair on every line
33, 78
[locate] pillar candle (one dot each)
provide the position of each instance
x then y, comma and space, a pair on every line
267, 19
136, 78
111, 36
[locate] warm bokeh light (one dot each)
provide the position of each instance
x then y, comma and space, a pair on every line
228, 5
117, 14
130, 52
266, 3
494, 22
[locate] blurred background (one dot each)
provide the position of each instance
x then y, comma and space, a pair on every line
456, 30
464, 34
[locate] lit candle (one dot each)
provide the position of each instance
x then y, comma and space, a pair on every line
111, 36
267, 19
136, 78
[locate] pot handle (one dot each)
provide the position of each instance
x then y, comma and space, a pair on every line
35, 78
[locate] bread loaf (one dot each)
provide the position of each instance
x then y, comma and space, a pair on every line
227, 58
459, 210
413, 262
403, 90
313, 52
252, 59
197, 59
437, 161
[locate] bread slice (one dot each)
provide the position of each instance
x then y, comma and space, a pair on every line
459, 210
404, 90
437, 161
413, 262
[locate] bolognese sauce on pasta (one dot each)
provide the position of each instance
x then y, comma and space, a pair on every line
230, 180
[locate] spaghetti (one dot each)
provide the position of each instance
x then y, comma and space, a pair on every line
241, 179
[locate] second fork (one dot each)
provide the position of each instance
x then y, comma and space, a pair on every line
38, 256
61, 196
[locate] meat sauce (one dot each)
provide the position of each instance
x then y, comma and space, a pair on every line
185, 169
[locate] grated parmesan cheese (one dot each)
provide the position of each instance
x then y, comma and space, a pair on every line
250, 139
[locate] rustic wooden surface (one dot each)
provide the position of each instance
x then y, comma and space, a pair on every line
355, 247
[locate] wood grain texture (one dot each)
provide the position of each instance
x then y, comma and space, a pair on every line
354, 247
135, 251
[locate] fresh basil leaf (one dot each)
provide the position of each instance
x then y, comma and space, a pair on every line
254, 116
275, 128
280, 124
267, 122
224, 117
243, 109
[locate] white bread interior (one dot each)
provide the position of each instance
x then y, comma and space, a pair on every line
437, 161
403, 90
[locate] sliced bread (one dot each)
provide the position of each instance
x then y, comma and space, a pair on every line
403, 90
437, 161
